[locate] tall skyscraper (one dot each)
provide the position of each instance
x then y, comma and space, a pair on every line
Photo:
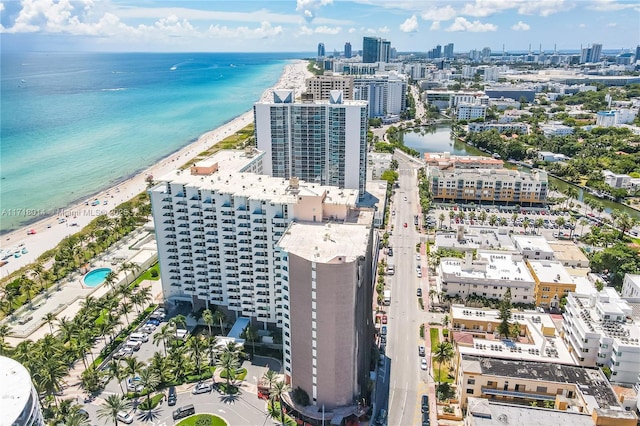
637, 58
448, 51
347, 50
321, 52
375, 49
318, 141
329, 292
596, 52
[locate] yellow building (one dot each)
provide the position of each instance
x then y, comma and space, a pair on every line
552, 282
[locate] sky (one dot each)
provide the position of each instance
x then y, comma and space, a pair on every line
298, 26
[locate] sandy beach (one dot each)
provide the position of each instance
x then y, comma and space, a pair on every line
50, 231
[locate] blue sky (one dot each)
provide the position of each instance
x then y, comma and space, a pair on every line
298, 26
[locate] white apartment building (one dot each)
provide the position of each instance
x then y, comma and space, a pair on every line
386, 93
471, 111
522, 128
616, 116
217, 225
320, 86
631, 286
320, 142
490, 275
602, 331
616, 180
533, 247
553, 129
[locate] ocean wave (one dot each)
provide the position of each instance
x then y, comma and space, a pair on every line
117, 89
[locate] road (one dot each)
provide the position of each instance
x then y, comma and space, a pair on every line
407, 382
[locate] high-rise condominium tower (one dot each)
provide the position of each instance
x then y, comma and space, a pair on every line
321, 51
318, 141
347, 50
375, 49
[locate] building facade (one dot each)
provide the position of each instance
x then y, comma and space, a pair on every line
347, 50
322, 142
320, 86
471, 111
603, 331
375, 49
488, 186
386, 93
19, 400
327, 270
217, 226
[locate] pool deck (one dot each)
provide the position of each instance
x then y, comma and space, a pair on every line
66, 300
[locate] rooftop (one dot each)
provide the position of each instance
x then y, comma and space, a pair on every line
16, 388
619, 325
531, 243
474, 238
568, 251
332, 242
484, 412
550, 271
590, 382
489, 265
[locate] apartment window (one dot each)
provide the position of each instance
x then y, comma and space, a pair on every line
471, 381
470, 391
541, 389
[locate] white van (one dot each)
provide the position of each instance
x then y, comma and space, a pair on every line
144, 337
133, 344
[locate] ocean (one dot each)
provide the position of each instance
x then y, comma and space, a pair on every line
73, 124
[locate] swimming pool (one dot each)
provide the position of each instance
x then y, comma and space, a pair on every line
96, 277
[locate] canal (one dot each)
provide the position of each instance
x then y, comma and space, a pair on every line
438, 139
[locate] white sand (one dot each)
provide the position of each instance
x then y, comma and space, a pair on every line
45, 238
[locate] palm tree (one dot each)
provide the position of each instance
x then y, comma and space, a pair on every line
442, 353
67, 327
493, 219
582, 223
49, 376
166, 332
125, 310
5, 331
525, 224
49, 318
271, 377
112, 406
623, 221
197, 347
503, 221
451, 216
432, 295
116, 371
219, 316
26, 285
76, 419
441, 219
37, 271
482, 217
279, 390
150, 380
178, 320
229, 363
141, 297
132, 366
251, 333
207, 317
538, 223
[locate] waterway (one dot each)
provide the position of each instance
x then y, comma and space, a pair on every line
438, 139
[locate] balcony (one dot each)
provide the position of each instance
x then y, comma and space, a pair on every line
517, 394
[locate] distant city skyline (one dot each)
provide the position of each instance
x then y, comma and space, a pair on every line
287, 26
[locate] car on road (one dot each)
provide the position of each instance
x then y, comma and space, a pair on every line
405, 198
182, 412
421, 350
405, 224
384, 319
390, 251
172, 398
425, 419
423, 364
133, 384
383, 330
418, 257
124, 417
154, 321
425, 403
201, 388
419, 273
419, 292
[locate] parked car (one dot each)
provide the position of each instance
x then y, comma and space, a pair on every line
421, 350
383, 330
124, 417
423, 364
425, 403
202, 387
182, 412
384, 319
419, 291
418, 257
173, 396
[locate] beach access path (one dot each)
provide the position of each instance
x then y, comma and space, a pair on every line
51, 230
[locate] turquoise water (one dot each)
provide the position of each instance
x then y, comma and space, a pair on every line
75, 124
96, 277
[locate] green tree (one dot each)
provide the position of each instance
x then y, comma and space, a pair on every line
504, 314
279, 390
442, 353
113, 404
229, 362
5, 331
150, 380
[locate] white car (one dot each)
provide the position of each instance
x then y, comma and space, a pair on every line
423, 364
418, 257
202, 388
419, 273
124, 417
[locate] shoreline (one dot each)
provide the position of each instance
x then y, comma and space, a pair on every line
49, 232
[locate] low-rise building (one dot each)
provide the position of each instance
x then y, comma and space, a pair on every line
522, 128
471, 111
533, 247
555, 129
631, 286
488, 186
616, 180
551, 157
562, 388
489, 276
569, 254
553, 282
602, 330
444, 160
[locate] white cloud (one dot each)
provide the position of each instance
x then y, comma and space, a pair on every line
435, 25
308, 7
520, 26
410, 25
612, 5
323, 29
384, 30
264, 31
352, 30
439, 14
582, 25
461, 24
612, 24
484, 8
